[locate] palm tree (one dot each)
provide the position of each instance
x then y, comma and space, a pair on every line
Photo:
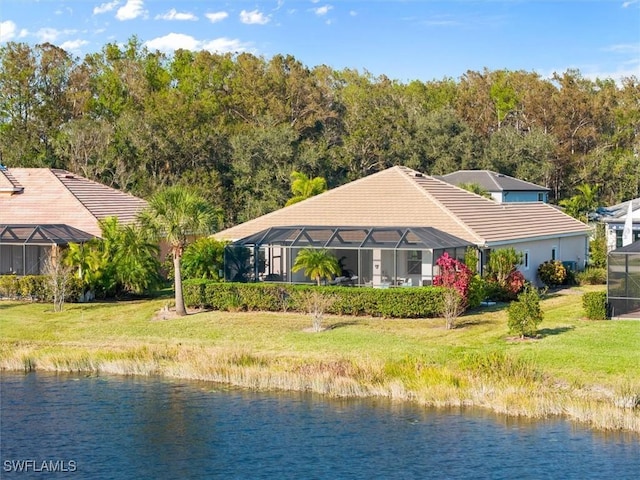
174, 214
317, 263
583, 203
304, 187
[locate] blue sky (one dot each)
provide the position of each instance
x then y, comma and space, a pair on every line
402, 39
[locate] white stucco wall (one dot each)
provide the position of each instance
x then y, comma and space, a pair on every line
568, 249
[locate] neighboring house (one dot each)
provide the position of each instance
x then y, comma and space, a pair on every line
391, 227
502, 188
623, 281
614, 217
43, 208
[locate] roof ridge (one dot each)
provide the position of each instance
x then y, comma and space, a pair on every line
15, 185
492, 177
431, 197
53, 171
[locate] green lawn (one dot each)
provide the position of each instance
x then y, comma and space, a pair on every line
598, 361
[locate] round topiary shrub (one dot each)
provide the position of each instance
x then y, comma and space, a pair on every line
552, 273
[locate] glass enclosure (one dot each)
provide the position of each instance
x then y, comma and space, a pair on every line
368, 256
623, 282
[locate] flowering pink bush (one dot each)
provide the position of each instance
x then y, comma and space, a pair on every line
455, 274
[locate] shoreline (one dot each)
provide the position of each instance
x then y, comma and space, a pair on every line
425, 385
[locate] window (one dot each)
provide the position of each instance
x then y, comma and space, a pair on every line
414, 262
541, 197
525, 259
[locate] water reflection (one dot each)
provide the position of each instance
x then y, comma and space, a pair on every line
121, 428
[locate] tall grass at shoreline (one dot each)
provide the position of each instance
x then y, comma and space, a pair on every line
586, 371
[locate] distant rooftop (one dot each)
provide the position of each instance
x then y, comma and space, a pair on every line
490, 181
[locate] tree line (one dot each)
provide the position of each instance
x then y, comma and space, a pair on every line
238, 125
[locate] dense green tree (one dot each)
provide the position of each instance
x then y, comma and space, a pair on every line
237, 125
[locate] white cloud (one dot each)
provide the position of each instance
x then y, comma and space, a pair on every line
629, 3
216, 16
50, 35
224, 45
23, 33
253, 17
130, 10
47, 34
173, 14
73, 44
320, 11
7, 30
105, 7
624, 48
175, 41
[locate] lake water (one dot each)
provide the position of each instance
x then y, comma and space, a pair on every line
65, 426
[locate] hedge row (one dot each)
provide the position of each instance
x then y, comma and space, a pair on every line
415, 302
35, 287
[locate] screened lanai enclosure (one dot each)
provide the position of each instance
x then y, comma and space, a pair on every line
368, 256
24, 249
623, 281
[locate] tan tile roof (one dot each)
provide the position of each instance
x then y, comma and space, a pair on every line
400, 196
8, 184
53, 196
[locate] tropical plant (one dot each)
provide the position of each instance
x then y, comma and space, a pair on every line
204, 258
174, 214
583, 203
525, 314
503, 279
304, 187
317, 264
124, 259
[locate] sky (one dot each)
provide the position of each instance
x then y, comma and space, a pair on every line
404, 40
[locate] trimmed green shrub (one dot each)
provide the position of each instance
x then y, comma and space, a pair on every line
552, 273
592, 276
33, 287
419, 302
9, 286
595, 305
525, 314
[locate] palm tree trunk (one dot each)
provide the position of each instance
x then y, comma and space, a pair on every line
177, 278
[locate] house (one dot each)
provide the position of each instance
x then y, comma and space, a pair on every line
42, 209
502, 188
391, 227
623, 281
614, 218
